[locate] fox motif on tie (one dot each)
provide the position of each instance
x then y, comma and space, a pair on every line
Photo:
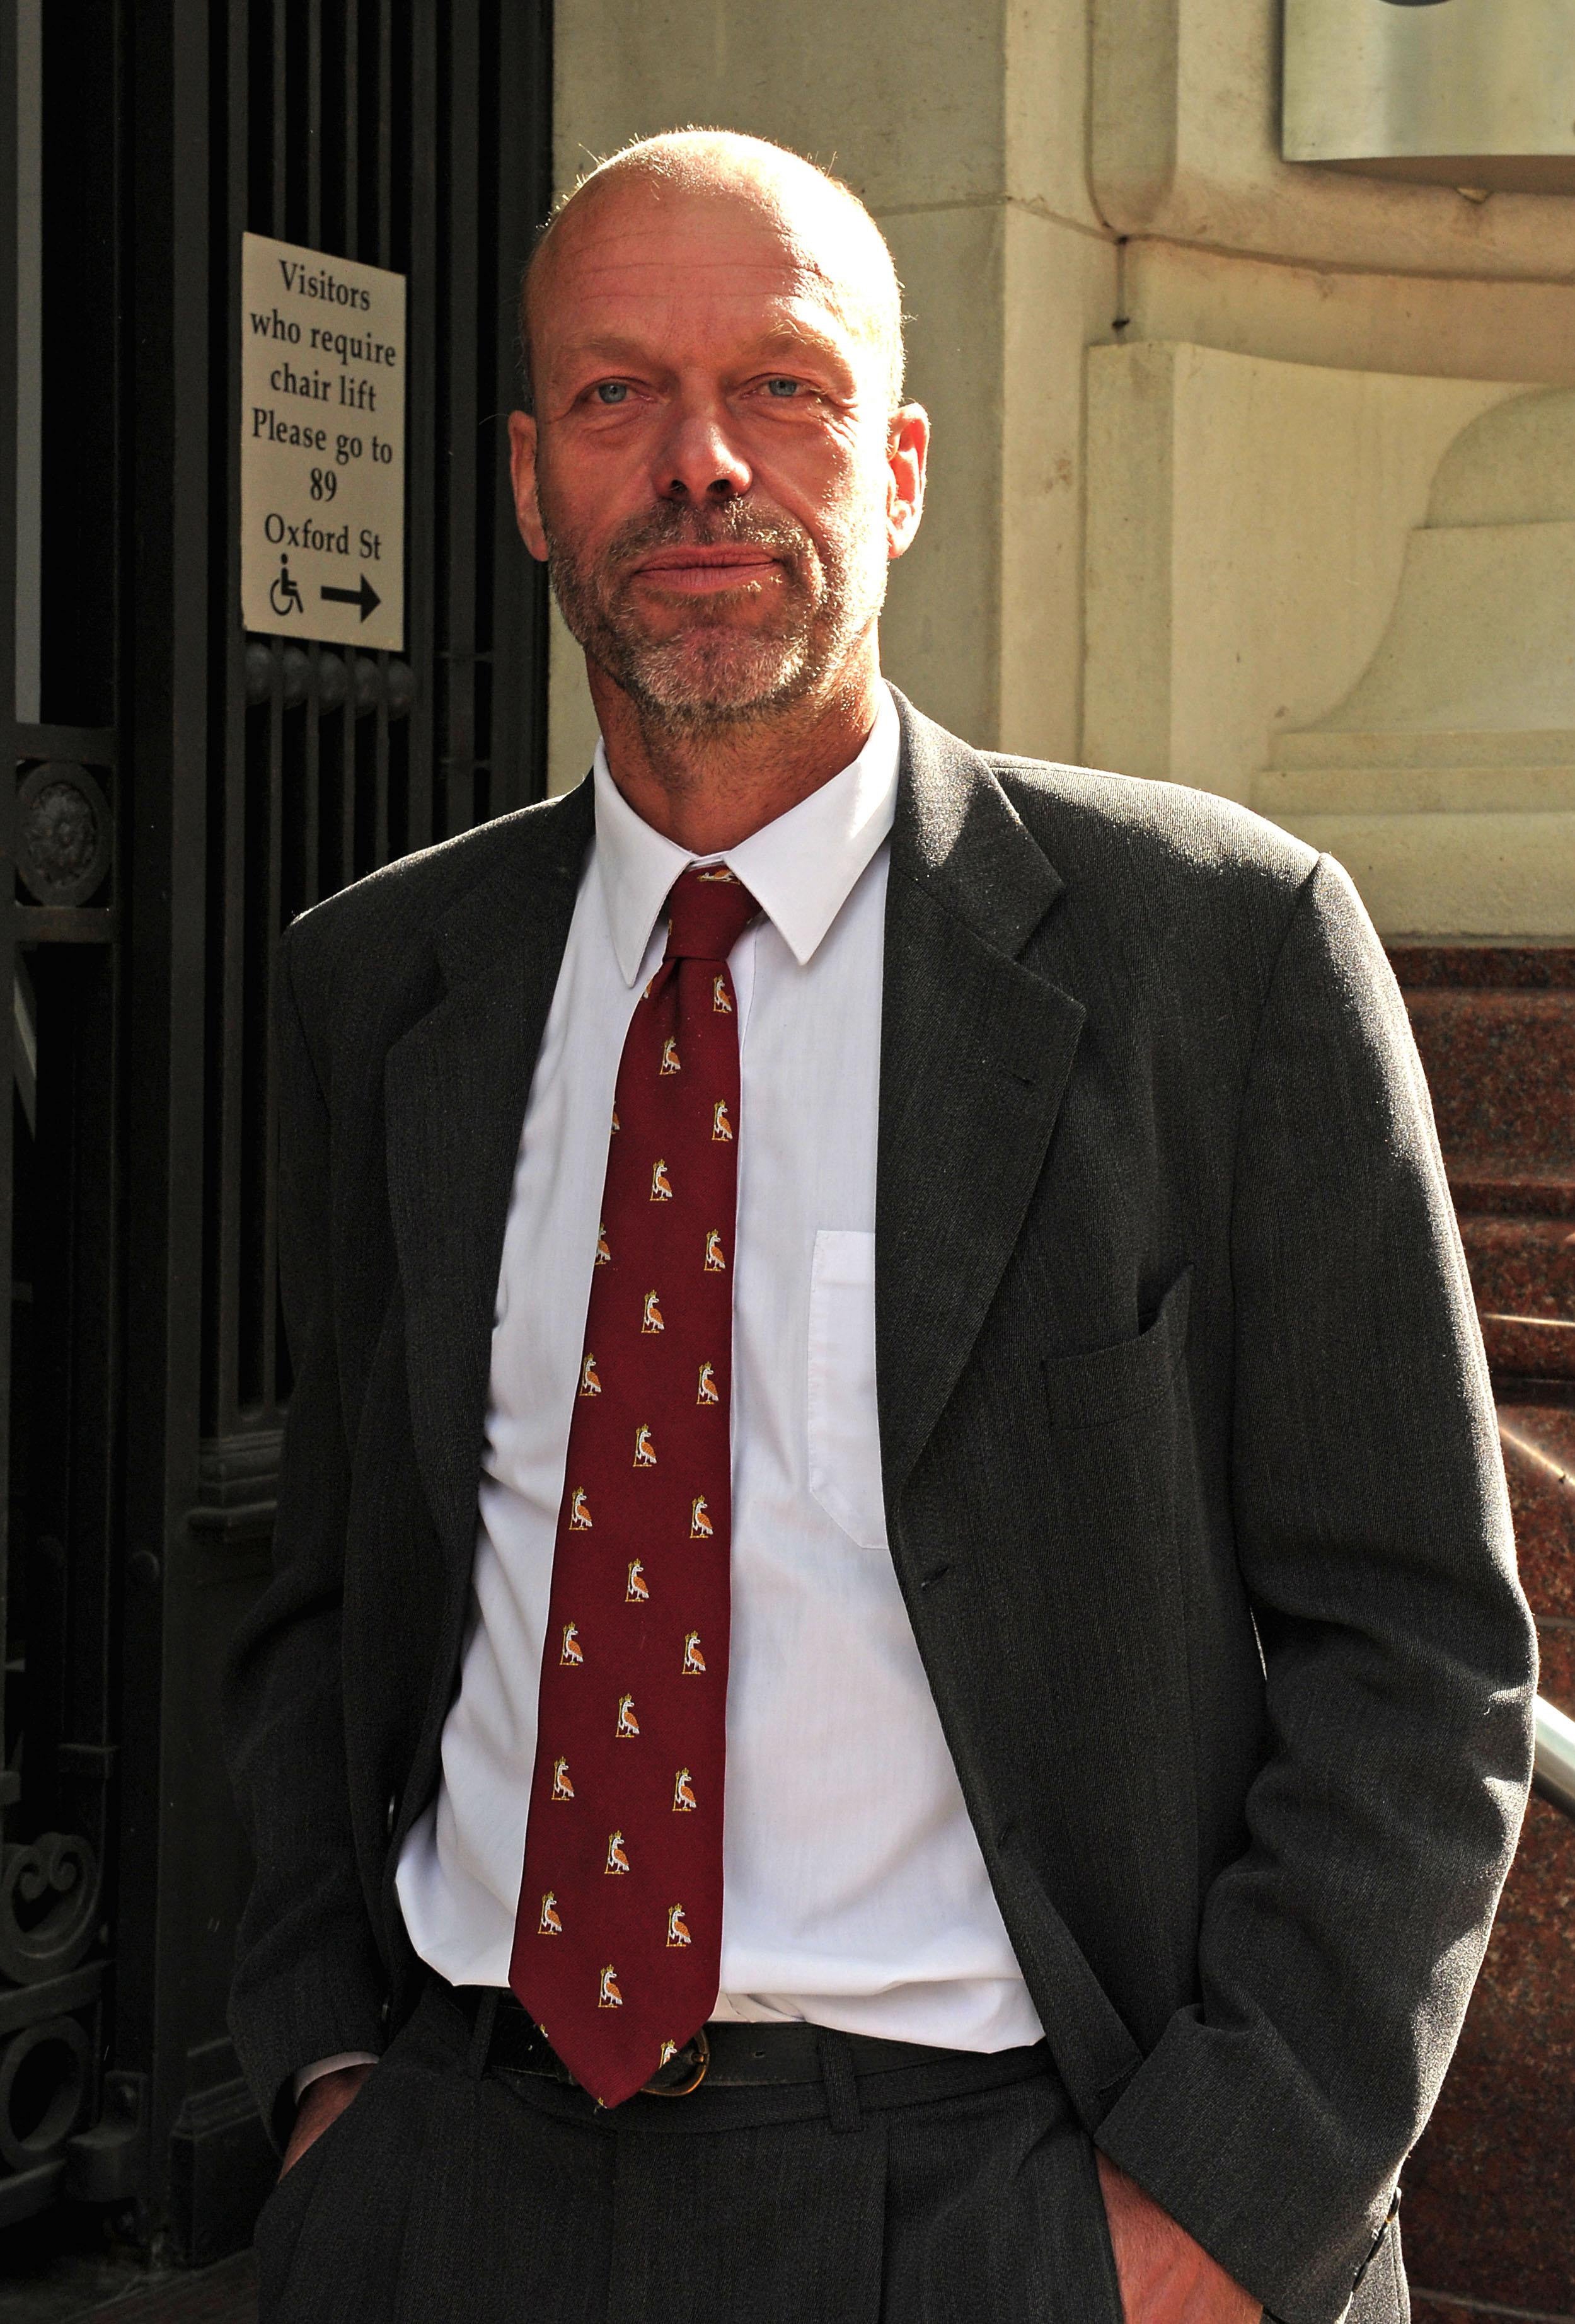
640, 1584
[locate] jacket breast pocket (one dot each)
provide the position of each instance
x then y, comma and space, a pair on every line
1118, 1385
844, 1428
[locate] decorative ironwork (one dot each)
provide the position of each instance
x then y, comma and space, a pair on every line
143, 1377
387, 684
49, 1900
63, 832
238, 1486
44, 2078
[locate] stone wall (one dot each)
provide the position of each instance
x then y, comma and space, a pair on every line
1189, 398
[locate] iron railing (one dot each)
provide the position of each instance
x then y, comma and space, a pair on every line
1554, 1776
180, 791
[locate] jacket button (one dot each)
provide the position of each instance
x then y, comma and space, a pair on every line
393, 1808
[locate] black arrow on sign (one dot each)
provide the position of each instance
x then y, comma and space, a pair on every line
366, 597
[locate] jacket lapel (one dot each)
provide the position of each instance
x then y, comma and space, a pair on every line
456, 1090
975, 1052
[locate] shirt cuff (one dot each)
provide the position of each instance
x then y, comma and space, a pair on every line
315, 2073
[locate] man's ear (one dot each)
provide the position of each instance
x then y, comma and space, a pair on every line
522, 442
908, 452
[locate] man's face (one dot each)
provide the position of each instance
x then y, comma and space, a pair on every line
713, 471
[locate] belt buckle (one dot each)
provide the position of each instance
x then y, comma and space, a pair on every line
696, 2053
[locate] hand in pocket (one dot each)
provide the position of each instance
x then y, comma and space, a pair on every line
322, 2102
1166, 2275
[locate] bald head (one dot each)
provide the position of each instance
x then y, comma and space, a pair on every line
830, 238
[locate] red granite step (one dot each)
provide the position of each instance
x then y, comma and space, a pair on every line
1424, 2309
1501, 1066
1523, 1274
1486, 2210
1462, 964
1530, 1347
1496, 1026
1522, 1266
1539, 1461
1491, 1185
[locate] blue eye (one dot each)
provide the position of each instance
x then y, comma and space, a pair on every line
782, 389
613, 391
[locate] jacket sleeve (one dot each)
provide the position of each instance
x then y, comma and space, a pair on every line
1338, 1953
309, 1981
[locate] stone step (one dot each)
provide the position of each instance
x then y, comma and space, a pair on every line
1528, 1348
1486, 2210
1522, 1266
1463, 964
1539, 1461
1497, 1185
1501, 1067
1495, 1025
1427, 2309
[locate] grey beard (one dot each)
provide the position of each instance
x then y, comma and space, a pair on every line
711, 675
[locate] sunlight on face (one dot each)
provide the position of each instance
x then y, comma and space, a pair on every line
713, 407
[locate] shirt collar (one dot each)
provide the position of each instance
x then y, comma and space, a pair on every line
800, 870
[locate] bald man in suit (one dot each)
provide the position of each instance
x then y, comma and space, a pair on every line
1072, 1521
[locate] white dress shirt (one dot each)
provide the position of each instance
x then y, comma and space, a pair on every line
854, 1892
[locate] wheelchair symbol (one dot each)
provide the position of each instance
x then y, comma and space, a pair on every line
284, 596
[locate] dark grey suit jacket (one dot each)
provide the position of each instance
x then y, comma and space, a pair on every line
1191, 1468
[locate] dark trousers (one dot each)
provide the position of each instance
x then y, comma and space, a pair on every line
451, 2189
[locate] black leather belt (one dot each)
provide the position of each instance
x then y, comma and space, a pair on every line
725, 2055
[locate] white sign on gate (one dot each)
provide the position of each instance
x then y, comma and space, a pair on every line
322, 446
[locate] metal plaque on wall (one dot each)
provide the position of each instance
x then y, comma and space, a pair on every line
322, 446
1475, 94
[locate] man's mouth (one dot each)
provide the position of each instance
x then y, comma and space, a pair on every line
702, 570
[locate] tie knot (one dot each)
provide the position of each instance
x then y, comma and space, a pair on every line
707, 912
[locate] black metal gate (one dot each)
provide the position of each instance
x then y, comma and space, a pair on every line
180, 789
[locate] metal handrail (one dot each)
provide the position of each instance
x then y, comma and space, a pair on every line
1553, 1769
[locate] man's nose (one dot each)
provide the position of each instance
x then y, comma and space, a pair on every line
697, 462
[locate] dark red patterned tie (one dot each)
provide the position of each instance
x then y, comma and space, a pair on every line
618, 1938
